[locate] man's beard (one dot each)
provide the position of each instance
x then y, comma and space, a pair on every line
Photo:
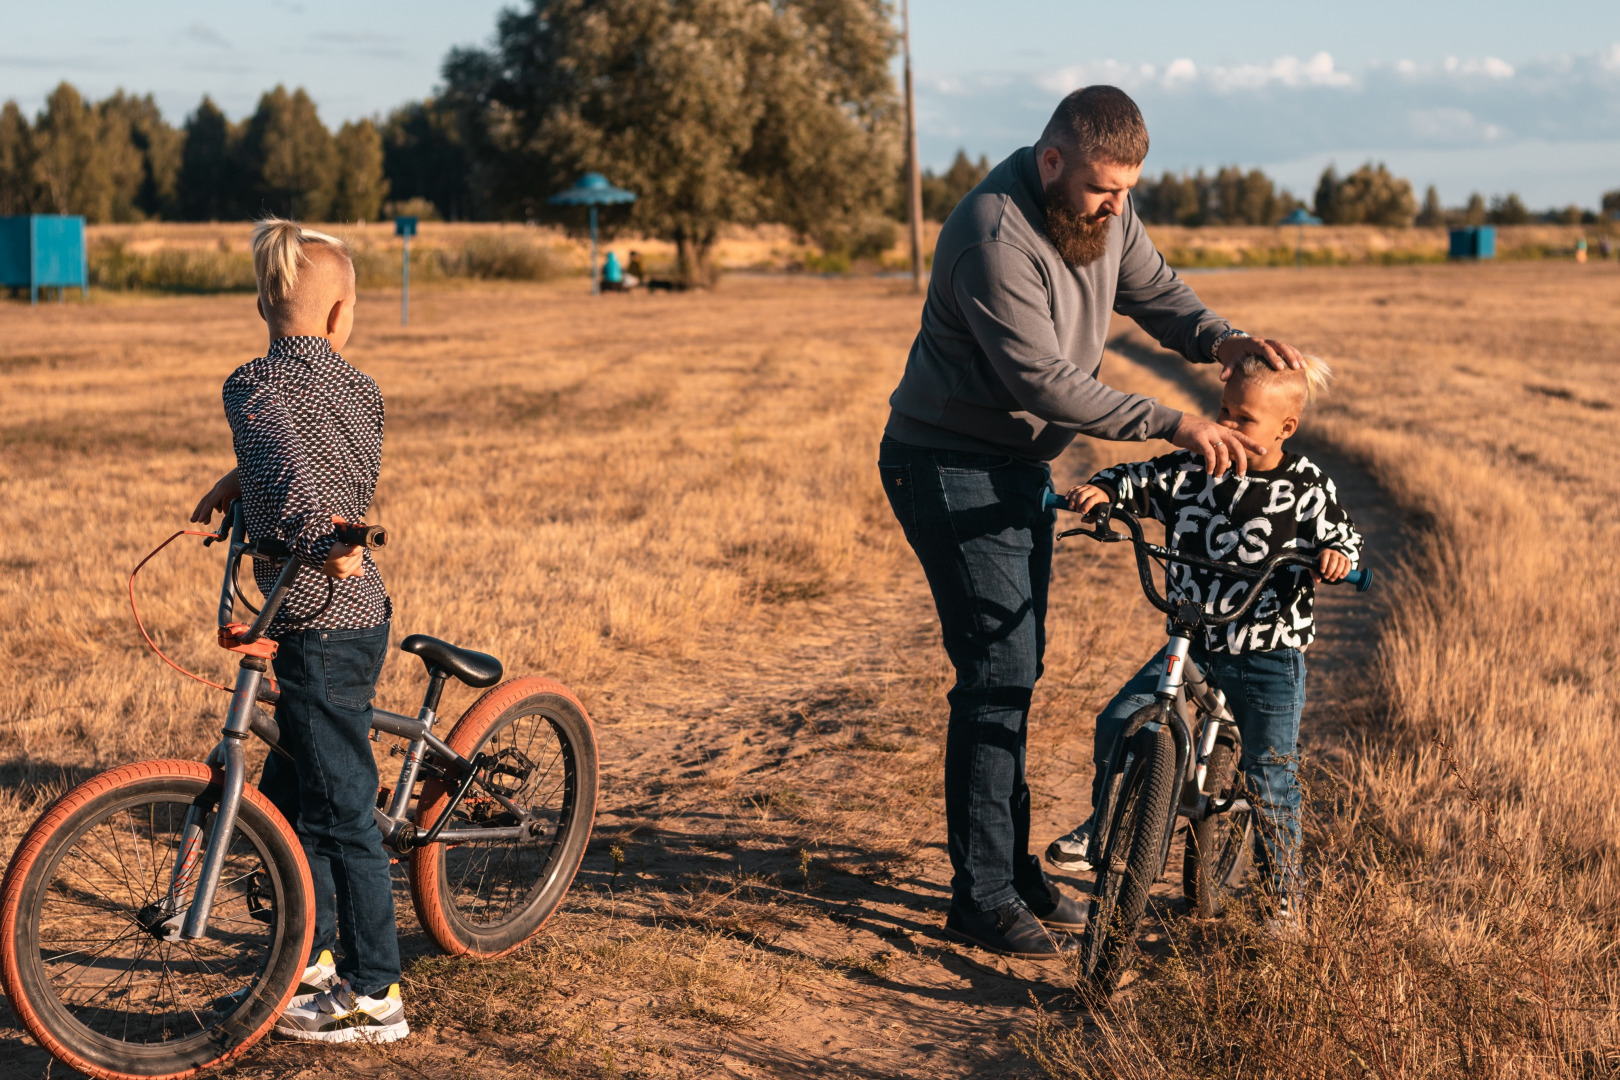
1079, 239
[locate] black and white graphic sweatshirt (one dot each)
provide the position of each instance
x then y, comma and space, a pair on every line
1240, 520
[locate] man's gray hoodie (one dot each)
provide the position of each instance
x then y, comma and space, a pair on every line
1012, 336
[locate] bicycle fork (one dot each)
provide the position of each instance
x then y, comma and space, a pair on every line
230, 757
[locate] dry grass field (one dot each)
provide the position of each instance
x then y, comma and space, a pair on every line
670, 503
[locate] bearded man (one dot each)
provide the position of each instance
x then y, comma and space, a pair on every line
1002, 376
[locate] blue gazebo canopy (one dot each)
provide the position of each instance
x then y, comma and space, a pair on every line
592, 189
1301, 216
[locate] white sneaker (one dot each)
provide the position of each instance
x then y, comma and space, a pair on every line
1068, 852
318, 978
339, 1015
1287, 923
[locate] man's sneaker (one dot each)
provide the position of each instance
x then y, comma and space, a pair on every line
318, 978
1068, 852
339, 1015
1287, 922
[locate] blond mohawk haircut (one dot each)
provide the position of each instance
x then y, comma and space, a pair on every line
1305, 384
278, 255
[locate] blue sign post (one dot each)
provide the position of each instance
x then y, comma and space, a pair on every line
593, 190
41, 250
405, 228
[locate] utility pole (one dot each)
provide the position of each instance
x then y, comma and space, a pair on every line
913, 168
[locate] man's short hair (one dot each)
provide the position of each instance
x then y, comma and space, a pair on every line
1097, 123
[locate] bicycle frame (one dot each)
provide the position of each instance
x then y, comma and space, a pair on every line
245, 719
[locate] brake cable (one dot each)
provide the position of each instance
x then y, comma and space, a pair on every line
142, 626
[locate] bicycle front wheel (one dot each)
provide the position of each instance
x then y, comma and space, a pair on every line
487, 897
90, 953
1130, 861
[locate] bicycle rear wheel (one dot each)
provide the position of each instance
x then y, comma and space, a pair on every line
89, 953
1217, 854
486, 898
1131, 855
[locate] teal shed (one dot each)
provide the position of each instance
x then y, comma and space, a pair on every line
39, 251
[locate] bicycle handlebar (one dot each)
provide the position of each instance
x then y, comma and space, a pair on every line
233, 530
1186, 611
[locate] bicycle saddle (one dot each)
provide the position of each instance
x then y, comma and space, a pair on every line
472, 668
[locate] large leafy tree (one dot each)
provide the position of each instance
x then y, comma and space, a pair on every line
712, 111
139, 121
83, 160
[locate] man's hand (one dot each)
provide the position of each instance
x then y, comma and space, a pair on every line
1279, 354
1085, 498
1222, 447
1332, 566
226, 490
344, 560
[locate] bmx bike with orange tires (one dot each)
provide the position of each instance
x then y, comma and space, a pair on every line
156, 919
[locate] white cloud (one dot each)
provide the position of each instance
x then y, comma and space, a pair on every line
1179, 71
1285, 70
1610, 57
1448, 124
1489, 66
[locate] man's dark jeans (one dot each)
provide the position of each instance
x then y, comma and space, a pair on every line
976, 524
327, 679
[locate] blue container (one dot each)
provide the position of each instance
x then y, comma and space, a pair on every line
1473, 242
43, 250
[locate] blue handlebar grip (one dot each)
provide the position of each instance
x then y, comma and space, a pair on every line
1051, 500
1361, 579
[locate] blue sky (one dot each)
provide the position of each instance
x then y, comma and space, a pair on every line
1477, 96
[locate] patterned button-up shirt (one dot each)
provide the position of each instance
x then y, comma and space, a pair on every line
307, 429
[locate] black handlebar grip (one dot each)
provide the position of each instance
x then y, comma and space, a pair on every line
359, 534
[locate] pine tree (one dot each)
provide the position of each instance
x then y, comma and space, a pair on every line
208, 188
1474, 212
16, 162
1327, 201
287, 159
1507, 210
142, 153
424, 157
360, 188
1433, 214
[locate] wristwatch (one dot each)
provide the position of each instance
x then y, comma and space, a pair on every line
1220, 339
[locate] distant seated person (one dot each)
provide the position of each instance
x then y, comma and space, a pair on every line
612, 274
634, 272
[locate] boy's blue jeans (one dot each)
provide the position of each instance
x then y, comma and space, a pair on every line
1266, 693
327, 791
985, 544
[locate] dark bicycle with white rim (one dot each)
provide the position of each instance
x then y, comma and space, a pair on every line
1178, 756
156, 919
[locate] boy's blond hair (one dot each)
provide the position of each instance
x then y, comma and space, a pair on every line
1302, 384
282, 250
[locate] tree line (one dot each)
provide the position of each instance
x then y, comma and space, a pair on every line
118, 160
